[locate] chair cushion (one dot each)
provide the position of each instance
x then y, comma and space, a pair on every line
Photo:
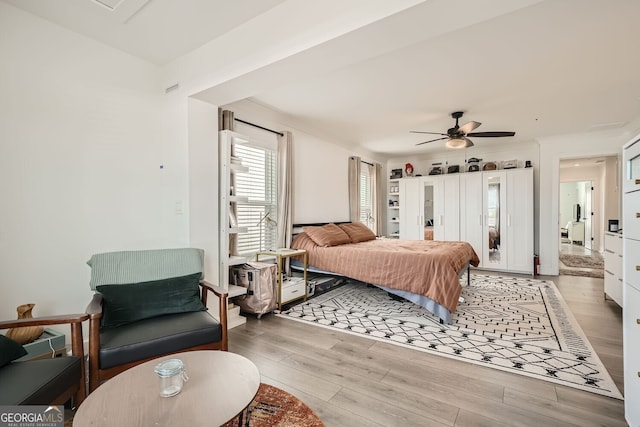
117, 268
129, 303
10, 350
38, 382
157, 336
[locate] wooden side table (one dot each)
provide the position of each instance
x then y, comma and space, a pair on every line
293, 290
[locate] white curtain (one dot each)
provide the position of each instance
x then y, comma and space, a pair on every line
285, 190
376, 199
354, 188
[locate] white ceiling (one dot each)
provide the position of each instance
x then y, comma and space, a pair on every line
539, 68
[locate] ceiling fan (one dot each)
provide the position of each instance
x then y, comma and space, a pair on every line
457, 136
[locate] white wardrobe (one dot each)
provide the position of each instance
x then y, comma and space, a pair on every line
497, 218
430, 204
492, 210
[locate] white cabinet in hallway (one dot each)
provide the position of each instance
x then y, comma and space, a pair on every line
613, 266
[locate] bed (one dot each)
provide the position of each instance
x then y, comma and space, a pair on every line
426, 272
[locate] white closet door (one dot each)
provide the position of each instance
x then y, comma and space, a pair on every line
471, 212
520, 220
451, 204
411, 206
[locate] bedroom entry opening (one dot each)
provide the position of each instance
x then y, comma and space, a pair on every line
576, 217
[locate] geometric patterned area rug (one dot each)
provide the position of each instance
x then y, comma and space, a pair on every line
517, 325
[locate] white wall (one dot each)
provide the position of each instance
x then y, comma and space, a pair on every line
87, 162
612, 198
320, 179
552, 150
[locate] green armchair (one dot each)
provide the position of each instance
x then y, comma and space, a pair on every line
51, 381
149, 304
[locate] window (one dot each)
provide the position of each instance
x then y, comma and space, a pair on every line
257, 212
366, 196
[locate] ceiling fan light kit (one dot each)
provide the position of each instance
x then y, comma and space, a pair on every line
458, 142
457, 136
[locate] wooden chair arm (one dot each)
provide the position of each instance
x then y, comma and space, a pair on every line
94, 309
75, 320
212, 288
45, 320
222, 307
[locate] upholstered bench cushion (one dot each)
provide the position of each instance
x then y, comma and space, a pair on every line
37, 382
159, 335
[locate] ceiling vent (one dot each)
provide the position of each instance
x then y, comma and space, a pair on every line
123, 10
109, 4
606, 126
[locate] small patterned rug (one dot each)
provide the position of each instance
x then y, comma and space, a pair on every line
582, 265
594, 260
517, 325
598, 274
275, 407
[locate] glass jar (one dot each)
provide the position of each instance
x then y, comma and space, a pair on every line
172, 376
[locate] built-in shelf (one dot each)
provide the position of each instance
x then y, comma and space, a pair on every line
238, 199
238, 230
236, 291
237, 260
238, 168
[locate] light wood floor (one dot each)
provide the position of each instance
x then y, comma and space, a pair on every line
353, 381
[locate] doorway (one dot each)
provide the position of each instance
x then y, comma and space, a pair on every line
591, 183
576, 217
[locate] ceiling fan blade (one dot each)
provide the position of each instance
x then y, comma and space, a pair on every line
468, 127
429, 133
490, 134
433, 140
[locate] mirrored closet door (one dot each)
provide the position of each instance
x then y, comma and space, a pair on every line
495, 220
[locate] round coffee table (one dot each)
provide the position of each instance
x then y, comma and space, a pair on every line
221, 385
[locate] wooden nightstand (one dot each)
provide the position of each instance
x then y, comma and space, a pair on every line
293, 288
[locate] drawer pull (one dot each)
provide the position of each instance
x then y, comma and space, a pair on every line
637, 267
638, 321
637, 214
637, 181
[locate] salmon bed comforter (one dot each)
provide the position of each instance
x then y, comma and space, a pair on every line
426, 267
